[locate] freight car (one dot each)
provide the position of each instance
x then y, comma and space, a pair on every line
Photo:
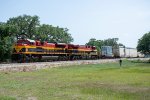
27, 50
106, 52
126, 52
120, 52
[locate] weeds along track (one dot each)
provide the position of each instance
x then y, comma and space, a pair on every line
23, 67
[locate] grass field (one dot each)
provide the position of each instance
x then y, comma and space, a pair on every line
84, 82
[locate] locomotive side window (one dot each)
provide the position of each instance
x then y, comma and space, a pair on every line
60, 50
22, 42
39, 49
31, 50
31, 43
23, 50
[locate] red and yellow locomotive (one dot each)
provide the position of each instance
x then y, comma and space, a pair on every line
26, 49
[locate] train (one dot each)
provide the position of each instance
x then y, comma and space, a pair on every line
119, 52
29, 50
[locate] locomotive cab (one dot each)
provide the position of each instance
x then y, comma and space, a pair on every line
22, 45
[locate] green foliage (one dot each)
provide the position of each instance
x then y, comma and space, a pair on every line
107, 42
96, 82
53, 34
6, 48
111, 42
144, 44
6, 41
7, 98
27, 26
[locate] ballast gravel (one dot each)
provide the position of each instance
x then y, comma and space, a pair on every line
23, 67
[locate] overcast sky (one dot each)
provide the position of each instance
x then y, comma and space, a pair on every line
127, 20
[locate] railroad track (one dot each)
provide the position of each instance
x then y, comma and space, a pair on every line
23, 67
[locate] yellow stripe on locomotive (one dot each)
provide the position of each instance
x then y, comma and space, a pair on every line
33, 48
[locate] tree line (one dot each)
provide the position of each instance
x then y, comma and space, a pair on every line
143, 43
107, 42
27, 26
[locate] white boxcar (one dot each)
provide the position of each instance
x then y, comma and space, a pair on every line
125, 52
131, 52
121, 51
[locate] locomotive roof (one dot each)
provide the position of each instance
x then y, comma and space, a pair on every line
30, 40
62, 43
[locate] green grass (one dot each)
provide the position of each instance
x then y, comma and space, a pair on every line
84, 82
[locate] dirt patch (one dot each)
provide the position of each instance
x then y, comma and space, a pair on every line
114, 87
32, 98
132, 89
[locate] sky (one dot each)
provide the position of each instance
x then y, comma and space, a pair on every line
127, 20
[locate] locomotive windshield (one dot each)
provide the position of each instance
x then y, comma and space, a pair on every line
27, 42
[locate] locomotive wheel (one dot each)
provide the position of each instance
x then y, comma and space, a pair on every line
15, 58
39, 57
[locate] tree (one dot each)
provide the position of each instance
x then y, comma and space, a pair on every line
25, 25
63, 35
144, 44
92, 42
107, 42
6, 40
96, 43
29, 27
44, 33
53, 34
111, 42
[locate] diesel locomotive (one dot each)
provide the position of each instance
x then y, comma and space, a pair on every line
28, 50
